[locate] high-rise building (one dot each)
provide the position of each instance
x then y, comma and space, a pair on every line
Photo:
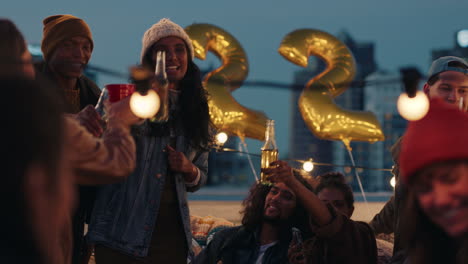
230, 167
303, 144
380, 97
353, 99
365, 64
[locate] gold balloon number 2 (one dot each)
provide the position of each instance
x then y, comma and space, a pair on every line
316, 103
226, 113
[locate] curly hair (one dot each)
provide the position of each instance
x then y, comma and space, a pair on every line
253, 206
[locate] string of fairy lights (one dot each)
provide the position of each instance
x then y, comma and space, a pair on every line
411, 104
308, 165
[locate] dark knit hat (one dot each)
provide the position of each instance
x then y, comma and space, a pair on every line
440, 136
58, 28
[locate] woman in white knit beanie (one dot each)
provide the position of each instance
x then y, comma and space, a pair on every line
145, 219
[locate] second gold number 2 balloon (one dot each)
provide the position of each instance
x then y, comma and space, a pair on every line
316, 103
226, 113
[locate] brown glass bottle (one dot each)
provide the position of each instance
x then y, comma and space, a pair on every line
269, 149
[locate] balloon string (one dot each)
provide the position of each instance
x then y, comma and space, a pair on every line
358, 178
243, 147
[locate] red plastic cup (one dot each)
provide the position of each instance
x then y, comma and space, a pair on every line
119, 91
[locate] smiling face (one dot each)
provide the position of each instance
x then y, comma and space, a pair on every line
70, 57
442, 194
280, 203
176, 57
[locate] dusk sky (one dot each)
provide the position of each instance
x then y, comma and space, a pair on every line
404, 33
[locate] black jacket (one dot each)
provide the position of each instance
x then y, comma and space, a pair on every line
89, 91
238, 245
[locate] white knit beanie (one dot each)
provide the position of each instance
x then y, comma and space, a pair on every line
164, 28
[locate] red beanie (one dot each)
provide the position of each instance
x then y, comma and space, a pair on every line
442, 135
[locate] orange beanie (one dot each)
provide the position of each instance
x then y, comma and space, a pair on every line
58, 28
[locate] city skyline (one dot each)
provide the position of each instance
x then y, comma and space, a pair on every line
404, 33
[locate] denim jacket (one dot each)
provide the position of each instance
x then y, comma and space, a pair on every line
125, 214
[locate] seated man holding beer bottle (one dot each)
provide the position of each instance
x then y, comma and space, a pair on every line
270, 213
275, 217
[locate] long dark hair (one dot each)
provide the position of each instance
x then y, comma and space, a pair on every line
253, 207
34, 135
193, 103
427, 242
194, 108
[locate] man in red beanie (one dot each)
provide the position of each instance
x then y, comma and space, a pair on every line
67, 45
434, 166
448, 80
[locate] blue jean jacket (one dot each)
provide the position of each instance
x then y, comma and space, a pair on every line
125, 213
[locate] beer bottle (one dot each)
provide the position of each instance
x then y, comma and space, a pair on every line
269, 149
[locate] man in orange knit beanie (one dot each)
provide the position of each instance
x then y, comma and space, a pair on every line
67, 44
59, 28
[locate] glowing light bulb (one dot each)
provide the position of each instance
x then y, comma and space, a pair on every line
415, 108
221, 138
145, 106
462, 38
393, 182
308, 166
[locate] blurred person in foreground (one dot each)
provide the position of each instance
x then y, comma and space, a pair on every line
96, 160
434, 165
37, 183
448, 80
15, 58
93, 160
